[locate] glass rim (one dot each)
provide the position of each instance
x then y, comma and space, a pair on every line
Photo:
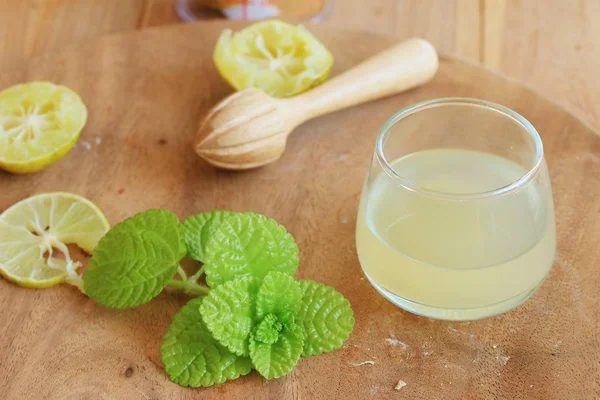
445, 101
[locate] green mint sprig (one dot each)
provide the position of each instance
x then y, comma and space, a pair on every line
254, 314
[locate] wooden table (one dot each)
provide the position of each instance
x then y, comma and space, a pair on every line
550, 45
146, 93
483, 31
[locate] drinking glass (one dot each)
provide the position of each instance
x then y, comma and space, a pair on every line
194, 10
456, 218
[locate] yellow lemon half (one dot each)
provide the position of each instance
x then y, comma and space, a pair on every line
278, 58
39, 123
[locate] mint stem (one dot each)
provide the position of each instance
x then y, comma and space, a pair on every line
188, 286
182, 273
194, 278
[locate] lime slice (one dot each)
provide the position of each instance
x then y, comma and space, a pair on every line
39, 123
279, 58
35, 232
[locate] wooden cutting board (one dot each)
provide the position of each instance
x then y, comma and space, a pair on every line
147, 93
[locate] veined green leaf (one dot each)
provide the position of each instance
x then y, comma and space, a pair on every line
192, 357
278, 294
249, 245
326, 316
277, 359
135, 260
198, 229
228, 313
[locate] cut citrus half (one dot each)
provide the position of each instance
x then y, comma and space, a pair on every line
39, 123
278, 58
35, 234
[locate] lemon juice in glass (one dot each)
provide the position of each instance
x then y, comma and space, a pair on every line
456, 218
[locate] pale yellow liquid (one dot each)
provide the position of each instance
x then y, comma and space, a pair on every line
459, 258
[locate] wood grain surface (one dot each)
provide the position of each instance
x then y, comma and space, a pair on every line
147, 92
550, 45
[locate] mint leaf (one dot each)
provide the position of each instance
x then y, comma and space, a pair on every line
267, 330
278, 294
326, 316
277, 359
192, 357
249, 245
160, 221
287, 318
228, 313
198, 229
135, 260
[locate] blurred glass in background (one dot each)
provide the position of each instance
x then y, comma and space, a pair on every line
313, 10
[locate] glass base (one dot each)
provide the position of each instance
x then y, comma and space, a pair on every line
455, 314
190, 11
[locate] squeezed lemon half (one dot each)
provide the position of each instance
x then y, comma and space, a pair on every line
39, 123
278, 58
35, 232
